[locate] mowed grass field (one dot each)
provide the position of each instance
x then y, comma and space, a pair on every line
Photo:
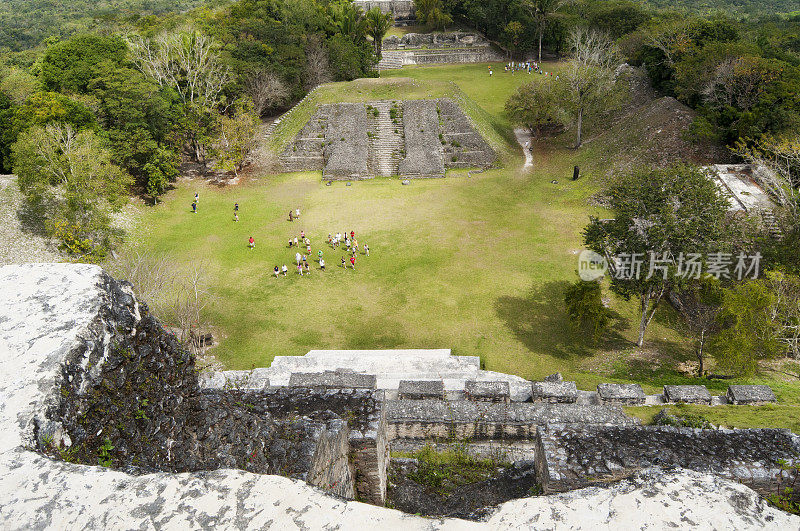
475, 264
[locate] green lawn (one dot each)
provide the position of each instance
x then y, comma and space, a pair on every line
474, 264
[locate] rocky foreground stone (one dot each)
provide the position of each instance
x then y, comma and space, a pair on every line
54, 313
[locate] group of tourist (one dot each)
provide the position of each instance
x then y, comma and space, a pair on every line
303, 243
522, 66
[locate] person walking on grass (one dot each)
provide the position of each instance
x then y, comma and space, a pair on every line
235, 216
305, 259
308, 268
236, 207
308, 249
330, 239
322, 264
297, 212
344, 263
319, 255
284, 269
194, 207
290, 216
300, 269
290, 243
251, 243
277, 270
302, 235
297, 257
295, 241
353, 261
352, 235
196, 197
366, 249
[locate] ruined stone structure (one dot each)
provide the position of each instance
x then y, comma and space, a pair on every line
412, 139
403, 12
88, 377
437, 48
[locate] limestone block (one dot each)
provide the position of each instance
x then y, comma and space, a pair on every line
750, 394
554, 392
483, 391
623, 394
690, 394
421, 389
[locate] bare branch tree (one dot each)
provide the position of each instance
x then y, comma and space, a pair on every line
266, 90
317, 69
186, 61
588, 77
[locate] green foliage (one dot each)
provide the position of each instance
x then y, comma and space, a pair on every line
668, 212
236, 137
750, 333
537, 107
70, 185
69, 66
378, 23
787, 499
445, 471
433, 13
6, 132
584, 304
104, 457
348, 59
45, 108
687, 420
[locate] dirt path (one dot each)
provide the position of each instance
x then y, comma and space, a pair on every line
524, 140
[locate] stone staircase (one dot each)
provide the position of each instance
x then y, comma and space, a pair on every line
390, 60
771, 224
392, 366
386, 144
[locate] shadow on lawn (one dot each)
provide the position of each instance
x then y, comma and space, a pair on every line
540, 322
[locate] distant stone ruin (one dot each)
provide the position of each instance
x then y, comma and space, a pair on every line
411, 139
107, 423
403, 12
437, 48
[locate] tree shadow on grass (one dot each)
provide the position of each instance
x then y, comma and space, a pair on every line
540, 322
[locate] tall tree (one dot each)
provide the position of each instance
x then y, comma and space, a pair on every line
541, 11
378, 23
68, 179
433, 14
588, 76
665, 221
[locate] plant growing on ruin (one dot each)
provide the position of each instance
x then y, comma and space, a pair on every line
104, 457
787, 499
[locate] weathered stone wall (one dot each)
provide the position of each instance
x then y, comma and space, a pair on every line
403, 11
571, 457
451, 39
436, 135
463, 146
132, 399
440, 419
423, 157
346, 142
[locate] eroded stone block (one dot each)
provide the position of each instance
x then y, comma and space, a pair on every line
689, 394
623, 394
554, 392
750, 394
421, 389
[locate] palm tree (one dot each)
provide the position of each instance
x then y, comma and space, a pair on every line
378, 23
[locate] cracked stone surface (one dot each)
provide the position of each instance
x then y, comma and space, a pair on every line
46, 310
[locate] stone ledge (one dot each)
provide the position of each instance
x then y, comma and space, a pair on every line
623, 394
750, 394
688, 394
